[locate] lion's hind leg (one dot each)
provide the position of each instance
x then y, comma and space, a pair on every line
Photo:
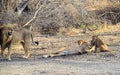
60, 52
54, 54
104, 48
27, 54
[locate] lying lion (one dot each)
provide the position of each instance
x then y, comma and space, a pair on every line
82, 49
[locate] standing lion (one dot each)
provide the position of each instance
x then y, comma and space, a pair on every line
10, 36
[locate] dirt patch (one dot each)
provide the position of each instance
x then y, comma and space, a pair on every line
104, 63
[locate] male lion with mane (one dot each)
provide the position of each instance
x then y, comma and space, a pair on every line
10, 36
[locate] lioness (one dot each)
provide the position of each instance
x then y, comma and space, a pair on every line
82, 49
85, 46
98, 45
9, 36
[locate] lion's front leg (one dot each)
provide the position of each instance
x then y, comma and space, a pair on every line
2, 51
9, 52
92, 49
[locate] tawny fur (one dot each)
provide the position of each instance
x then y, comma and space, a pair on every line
65, 51
10, 36
98, 44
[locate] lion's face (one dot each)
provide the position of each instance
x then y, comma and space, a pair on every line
80, 42
7, 32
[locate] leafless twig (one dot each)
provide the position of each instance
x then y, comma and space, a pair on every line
33, 16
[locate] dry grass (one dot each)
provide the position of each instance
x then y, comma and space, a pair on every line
93, 5
109, 28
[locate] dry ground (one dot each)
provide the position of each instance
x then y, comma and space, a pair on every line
104, 63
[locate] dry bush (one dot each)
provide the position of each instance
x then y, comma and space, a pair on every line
61, 13
111, 14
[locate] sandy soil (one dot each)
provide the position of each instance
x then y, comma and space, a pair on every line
104, 63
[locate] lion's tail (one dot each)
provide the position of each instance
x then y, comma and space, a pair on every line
34, 42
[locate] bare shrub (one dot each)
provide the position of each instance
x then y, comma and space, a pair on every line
61, 13
111, 14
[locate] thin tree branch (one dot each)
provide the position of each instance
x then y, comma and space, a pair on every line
33, 16
22, 7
